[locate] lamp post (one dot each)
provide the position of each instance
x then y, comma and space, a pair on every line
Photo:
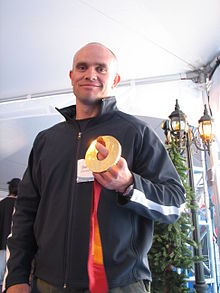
207, 137
181, 133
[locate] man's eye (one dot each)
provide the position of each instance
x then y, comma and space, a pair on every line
82, 67
101, 69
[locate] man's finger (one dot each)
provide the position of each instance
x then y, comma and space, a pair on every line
121, 163
100, 156
113, 171
101, 149
99, 178
103, 178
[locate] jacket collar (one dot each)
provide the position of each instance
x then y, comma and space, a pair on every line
108, 105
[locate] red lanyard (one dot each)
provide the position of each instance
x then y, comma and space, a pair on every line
96, 270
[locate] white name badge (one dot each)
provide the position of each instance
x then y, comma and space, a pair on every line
83, 173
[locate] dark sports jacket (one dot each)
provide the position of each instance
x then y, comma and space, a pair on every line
52, 218
6, 210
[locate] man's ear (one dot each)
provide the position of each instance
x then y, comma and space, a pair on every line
71, 75
116, 80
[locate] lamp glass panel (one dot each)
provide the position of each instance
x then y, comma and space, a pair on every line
205, 130
178, 125
175, 125
182, 125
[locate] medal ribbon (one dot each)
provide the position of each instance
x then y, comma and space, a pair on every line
96, 270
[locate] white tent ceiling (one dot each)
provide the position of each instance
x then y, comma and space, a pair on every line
38, 39
150, 38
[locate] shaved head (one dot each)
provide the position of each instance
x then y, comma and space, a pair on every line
97, 45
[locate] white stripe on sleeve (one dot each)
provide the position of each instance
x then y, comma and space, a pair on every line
139, 197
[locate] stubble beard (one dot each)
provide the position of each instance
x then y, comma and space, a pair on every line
89, 101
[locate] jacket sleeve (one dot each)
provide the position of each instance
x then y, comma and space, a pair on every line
158, 193
21, 244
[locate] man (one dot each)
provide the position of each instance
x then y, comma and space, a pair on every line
6, 210
52, 219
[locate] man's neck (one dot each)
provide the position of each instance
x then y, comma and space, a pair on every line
11, 195
86, 111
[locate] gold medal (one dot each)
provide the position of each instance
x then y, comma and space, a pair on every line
114, 152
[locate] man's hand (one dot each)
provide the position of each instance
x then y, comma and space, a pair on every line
19, 288
118, 177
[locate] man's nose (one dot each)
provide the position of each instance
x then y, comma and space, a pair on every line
91, 74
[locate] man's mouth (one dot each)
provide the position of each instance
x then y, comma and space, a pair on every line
90, 85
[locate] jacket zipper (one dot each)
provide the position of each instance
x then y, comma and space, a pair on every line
71, 215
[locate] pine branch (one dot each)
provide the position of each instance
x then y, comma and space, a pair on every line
173, 243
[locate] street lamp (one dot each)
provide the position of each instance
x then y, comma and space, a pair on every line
178, 125
202, 136
180, 131
205, 128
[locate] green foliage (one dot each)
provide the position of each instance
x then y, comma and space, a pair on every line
172, 244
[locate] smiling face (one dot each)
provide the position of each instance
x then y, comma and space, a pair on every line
94, 74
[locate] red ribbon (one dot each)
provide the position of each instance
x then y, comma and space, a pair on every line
96, 270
